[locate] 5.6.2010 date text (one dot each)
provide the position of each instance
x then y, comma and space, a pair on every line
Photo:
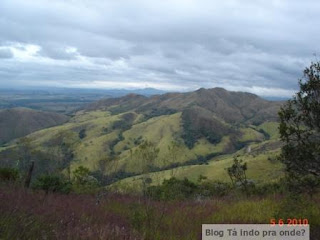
289, 222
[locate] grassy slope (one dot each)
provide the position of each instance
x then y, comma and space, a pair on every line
90, 149
260, 169
161, 130
249, 134
271, 128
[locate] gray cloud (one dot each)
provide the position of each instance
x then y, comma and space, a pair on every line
251, 45
5, 53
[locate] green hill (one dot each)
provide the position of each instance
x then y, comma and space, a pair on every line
207, 126
19, 122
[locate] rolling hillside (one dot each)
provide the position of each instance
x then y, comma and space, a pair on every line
19, 122
207, 127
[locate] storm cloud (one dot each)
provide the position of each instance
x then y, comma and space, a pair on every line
178, 45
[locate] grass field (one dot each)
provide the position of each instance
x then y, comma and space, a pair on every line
28, 215
271, 128
260, 169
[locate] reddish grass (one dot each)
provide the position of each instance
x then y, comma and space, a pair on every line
26, 214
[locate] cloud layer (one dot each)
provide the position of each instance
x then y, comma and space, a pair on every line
249, 45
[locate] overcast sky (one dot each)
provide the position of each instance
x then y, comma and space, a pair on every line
259, 46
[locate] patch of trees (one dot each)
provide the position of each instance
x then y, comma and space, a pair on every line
234, 143
82, 133
129, 117
52, 183
172, 189
125, 123
156, 112
114, 142
122, 125
138, 141
200, 123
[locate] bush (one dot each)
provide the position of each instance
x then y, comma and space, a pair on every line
268, 188
52, 183
173, 189
83, 181
82, 133
9, 174
219, 189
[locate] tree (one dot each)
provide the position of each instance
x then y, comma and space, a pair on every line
83, 181
237, 173
300, 126
81, 175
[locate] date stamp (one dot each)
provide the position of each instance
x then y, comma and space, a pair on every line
293, 222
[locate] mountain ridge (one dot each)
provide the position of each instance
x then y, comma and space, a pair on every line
229, 106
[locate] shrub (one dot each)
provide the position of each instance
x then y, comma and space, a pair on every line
237, 172
269, 188
52, 183
219, 189
83, 181
9, 174
173, 189
82, 133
